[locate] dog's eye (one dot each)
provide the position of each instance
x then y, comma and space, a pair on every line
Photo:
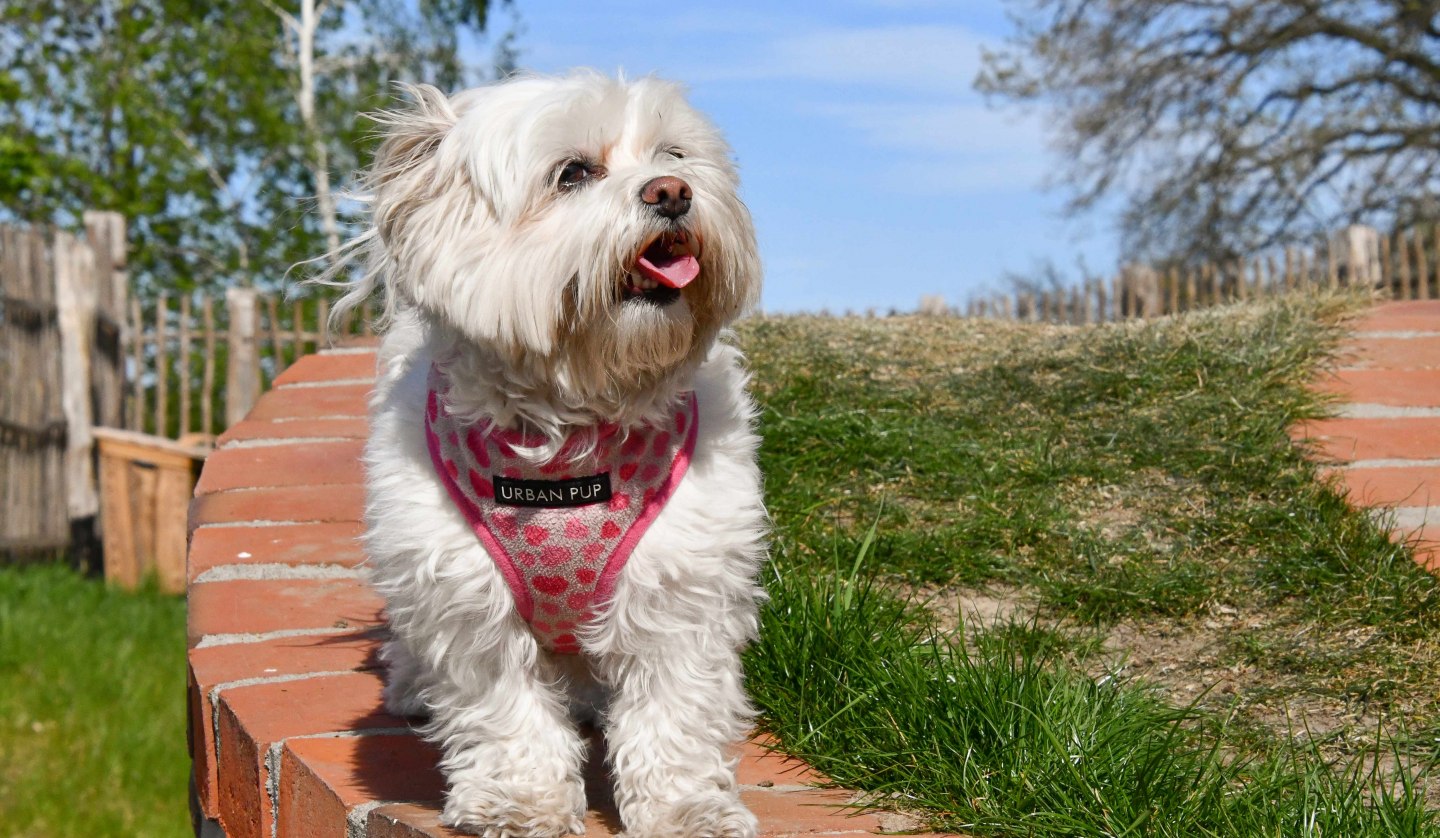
576, 173
676, 153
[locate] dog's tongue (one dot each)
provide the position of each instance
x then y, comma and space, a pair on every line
673, 271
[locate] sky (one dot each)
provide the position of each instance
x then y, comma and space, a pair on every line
875, 173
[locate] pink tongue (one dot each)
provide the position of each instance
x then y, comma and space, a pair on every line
674, 271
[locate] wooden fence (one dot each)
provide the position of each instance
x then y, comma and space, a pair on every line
78, 351
200, 362
1403, 265
61, 373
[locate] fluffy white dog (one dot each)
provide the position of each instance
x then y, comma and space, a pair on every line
564, 509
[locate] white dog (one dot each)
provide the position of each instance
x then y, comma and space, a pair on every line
564, 509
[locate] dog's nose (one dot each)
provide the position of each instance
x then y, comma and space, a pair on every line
669, 196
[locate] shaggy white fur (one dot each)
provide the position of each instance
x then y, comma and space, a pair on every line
508, 222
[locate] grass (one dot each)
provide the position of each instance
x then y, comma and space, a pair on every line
1001, 736
92, 710
1130, 486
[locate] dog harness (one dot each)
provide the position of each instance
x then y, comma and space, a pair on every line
559, 531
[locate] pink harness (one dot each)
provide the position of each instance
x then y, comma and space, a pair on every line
559, 531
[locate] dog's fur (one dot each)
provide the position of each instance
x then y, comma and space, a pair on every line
512, 285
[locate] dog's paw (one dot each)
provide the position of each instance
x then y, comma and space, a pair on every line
500, 810
715, 815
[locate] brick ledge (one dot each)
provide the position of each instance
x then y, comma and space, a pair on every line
287, 735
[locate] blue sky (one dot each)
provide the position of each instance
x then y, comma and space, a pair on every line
874, 171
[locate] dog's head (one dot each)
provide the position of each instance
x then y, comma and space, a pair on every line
584, 227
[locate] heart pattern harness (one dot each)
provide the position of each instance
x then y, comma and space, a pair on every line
559, 531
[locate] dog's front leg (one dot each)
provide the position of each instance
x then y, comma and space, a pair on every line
512, 757
678, 711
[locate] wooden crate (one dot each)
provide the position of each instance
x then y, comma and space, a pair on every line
146, 483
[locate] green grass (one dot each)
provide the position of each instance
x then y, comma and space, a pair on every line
1001, 736
1120, 470
1134, 471
92, 708
1135, 475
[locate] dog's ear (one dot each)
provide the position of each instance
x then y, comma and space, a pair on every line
410, 135
401, 171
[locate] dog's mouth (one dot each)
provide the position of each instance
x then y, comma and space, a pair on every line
669, 262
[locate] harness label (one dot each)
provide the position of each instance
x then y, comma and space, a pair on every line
552, 494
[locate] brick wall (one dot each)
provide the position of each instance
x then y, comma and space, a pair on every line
287, 733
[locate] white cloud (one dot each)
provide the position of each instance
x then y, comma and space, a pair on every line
898, 60
963, 128
938, 148
910, 59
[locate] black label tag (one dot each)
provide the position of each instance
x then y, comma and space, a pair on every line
552, 494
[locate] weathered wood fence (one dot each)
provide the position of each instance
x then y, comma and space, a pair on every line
202, 361
1403, 265
62, 300
79, 351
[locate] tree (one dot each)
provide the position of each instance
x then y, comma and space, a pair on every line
400, 42
1231, 125
193, 119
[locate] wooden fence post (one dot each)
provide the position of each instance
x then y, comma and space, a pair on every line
76, 298
1387, 269
207, 374
32, 420
162, 365
105, 231
242, 370
1422, 266
1402, 257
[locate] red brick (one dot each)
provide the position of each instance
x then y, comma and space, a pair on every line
1426, 542
250, 429
1348, 440
217, 665
1414, 353
253, 606
759, 763
254, 718
339, 503
1393, 486
781, 813
808, 811
321, 780
1401, 388
407, 820
200, 744
287, 544
299, 655
348, 400
298, 464
1419, 316
341, 366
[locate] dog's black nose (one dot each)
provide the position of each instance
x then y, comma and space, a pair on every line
668, 196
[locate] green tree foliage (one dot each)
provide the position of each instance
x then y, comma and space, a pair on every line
1228, 126
191, 118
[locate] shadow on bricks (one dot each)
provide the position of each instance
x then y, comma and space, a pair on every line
401, 768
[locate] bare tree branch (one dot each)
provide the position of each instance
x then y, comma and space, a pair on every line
1228, 124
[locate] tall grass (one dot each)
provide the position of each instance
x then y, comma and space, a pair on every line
994, 733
